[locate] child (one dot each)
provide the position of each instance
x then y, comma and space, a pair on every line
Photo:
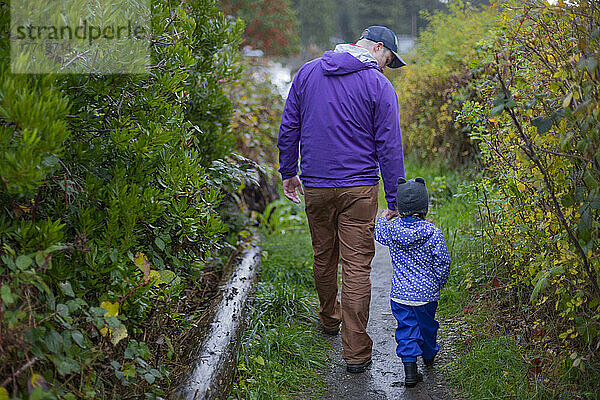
421, 267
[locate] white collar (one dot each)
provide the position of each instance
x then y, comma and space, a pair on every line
360, 53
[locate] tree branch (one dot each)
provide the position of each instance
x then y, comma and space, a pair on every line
536, 161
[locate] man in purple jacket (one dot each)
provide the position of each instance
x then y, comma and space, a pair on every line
342, 114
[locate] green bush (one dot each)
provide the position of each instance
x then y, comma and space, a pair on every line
257, 113
442, 73
520, 81
110, 188
538, 126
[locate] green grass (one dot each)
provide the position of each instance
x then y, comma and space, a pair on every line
282, 351
282, 354
491, 368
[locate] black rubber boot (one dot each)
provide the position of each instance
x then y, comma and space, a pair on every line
411, 375
331, 332
358, 368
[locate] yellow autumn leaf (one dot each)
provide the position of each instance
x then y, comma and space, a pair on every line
141, 261
112, 309
154, 275
36, 381
567, 100
3, 394
165, 276
118, 333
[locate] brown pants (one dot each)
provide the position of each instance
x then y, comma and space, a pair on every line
341, 222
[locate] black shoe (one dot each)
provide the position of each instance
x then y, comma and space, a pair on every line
358, 368
411, 375
428, 361
331, 332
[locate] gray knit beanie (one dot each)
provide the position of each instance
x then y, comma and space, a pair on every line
412, 196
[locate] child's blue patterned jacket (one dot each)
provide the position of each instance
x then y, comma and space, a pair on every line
419, 255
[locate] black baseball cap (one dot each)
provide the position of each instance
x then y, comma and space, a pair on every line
388, 38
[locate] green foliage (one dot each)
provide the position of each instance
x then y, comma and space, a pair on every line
544, 186
257, 113
521, 82
110, 188
281, 349
442, 75
280, 215
28, 153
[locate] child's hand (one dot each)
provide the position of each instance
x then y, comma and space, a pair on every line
389, 214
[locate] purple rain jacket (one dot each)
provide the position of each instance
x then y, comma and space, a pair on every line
343, 113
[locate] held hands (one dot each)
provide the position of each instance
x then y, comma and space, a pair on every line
389, 214
289, 189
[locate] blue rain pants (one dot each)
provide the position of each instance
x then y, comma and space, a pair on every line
416, 332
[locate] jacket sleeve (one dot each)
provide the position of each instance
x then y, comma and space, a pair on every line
388, 142
382, 231
289, 134
441, 259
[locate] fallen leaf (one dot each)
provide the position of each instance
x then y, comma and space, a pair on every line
142, 263
112, 309
117, 334
36, 381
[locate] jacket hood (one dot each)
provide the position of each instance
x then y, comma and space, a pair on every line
413, 231
342, 63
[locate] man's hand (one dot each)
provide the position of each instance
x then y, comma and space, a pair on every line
389, 214
289, 189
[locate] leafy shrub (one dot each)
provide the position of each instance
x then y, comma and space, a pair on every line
521, 82
441, 75
280, 215
257, 113
110, 188
538, 125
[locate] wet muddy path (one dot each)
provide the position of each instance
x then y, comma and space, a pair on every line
385, 378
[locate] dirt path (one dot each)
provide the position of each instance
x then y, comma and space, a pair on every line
385, 377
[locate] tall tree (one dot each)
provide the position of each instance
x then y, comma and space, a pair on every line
318, 22
347, 20
403, 17
271, 25
411, 20
379, 12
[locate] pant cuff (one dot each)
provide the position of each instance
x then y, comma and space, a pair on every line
409, 359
